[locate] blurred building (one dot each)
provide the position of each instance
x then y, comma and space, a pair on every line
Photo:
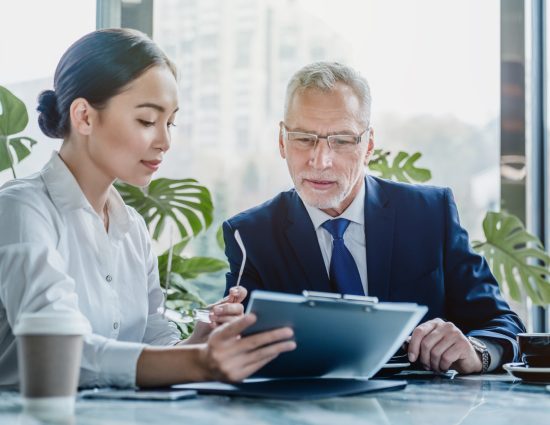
235, 59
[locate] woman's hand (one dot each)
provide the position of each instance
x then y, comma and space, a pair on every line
229, 357
226, 356
221, 312
228, 308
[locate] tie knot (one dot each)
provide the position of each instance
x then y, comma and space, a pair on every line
336, 227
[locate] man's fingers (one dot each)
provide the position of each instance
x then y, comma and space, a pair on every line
450, 356
440, 354
417, 336
428, 343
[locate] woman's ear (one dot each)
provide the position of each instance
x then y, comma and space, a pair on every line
81, 114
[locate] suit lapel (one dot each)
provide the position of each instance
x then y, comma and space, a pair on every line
379, 226
303, 241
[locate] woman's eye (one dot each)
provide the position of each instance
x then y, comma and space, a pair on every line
146, 123
171, 124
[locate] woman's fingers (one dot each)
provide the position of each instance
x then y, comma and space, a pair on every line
238, 294
239, 366
232, 357
226, 312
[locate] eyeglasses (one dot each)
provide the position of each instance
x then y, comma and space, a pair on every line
340, 143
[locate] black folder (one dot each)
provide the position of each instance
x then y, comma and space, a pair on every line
295, 388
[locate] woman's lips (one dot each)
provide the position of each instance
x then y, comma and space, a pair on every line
320, 184
152, 165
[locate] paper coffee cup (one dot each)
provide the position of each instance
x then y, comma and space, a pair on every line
49, 353
52, 323
49, 408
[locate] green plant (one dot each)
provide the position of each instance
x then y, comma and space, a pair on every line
13, 120
402, 168
181, 295
188, 206
185, 203
182, 201
516, 257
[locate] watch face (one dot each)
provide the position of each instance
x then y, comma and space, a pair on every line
481, 348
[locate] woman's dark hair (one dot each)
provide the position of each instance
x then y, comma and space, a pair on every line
96, 68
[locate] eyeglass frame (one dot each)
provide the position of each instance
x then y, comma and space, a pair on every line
358, 137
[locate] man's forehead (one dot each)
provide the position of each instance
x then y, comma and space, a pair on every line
312, 106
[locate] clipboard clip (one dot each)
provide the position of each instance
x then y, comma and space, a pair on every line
330, 296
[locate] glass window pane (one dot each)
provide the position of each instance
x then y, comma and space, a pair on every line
433, 67
33, 36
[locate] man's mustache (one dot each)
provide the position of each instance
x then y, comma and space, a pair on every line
318, 177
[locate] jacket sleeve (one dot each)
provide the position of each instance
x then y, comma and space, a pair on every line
474, 301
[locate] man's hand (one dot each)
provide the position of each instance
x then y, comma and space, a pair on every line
441, 346
221, 312
229, 357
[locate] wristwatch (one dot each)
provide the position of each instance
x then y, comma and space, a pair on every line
483, 352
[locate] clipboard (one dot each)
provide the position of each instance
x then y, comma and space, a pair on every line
337, 336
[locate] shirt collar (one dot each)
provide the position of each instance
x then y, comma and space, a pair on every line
67, 195
354, 213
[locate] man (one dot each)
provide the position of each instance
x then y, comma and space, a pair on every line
341, 230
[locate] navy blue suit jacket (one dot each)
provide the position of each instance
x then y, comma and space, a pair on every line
416, 252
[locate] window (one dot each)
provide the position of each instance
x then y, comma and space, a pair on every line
33, 36
433, 67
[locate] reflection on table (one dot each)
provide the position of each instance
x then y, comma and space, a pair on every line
427, 399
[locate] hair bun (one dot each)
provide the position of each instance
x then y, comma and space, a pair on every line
49, 118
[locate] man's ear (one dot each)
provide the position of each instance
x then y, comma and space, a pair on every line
281, 142
82, 115
370, 148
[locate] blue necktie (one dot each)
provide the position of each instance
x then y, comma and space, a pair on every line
343, 270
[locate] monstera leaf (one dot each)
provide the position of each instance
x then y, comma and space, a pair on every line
182, 295
182, 201
402, 167
189, 268
219, 238
13, 120
516, 257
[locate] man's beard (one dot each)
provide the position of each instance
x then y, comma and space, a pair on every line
320, 200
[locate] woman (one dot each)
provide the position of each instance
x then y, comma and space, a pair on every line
69, 243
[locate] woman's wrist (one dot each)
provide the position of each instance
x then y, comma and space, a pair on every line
158, 366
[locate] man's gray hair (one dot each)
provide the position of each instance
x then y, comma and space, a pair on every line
324, 76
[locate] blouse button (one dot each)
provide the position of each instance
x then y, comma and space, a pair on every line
115, 325
108, 278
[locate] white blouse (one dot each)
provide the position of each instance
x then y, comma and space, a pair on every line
55, 254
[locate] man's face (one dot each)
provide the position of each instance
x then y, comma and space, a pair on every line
326, 179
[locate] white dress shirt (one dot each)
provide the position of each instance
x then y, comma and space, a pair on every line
354, 236
55, 254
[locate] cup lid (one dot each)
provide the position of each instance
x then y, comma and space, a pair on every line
52, 323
